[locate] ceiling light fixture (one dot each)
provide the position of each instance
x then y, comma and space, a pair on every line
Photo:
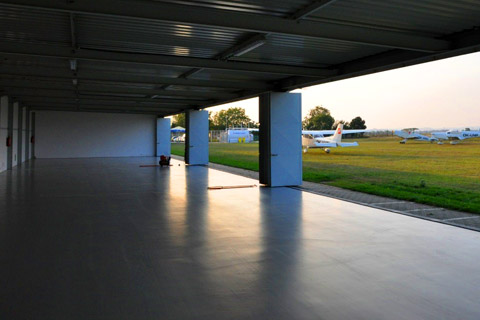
73, 65
245, 47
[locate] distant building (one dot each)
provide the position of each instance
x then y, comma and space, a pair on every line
237, 135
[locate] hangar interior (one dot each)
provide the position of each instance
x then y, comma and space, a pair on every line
85, 88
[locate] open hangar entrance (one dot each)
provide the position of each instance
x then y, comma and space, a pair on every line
96, 78
161, 58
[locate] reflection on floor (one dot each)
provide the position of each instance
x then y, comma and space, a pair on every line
106, 239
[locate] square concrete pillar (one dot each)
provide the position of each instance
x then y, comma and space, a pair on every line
20, 135
16, 108
27, 134
196, 142
32, 136
163, 137
23, 129
3, 133
10, 135
280, 158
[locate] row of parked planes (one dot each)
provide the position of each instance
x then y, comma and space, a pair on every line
326, 139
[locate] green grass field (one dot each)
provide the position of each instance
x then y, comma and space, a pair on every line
443, 175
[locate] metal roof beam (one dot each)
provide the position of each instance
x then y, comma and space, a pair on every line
112, 77
113, 89
70, 94
127, 104
103, 106
51, 51
250, 22
98, 110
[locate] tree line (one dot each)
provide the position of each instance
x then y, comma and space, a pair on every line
319, 118
229, 118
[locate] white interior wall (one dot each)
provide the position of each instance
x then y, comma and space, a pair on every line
24, 133
3, 132
83, 134
15, 135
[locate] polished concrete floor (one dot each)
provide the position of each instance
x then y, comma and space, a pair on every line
106, 239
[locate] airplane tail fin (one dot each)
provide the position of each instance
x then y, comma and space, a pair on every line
337, 137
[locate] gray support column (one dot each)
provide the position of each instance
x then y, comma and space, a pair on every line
27, 135
23, 129
280, 159
32, 134
3, 132
10, 135
15, 134
20, 135
163, 137
196, 142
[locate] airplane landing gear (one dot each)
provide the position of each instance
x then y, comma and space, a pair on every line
305, 150
326, 150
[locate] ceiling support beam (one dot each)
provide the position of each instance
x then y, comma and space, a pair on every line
98, 110
129, 104
42, 73
102, 106
19, 92
52, 95
51, 51
82, 88
249, 22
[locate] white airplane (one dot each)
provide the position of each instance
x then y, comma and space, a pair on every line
411, 133
455, 136
316, 139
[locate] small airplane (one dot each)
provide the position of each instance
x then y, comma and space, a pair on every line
317, 139
411, 133
455, 136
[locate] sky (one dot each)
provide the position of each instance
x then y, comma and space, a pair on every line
441, 95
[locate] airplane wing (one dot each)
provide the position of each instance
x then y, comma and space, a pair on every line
354, 131
331, 132
348, 144
324, 145
314, 132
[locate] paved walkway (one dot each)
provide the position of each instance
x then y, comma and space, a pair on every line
451, 217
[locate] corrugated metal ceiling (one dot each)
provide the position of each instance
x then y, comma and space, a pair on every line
436, 17
111, 34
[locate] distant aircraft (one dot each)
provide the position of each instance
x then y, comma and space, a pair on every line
316, 139
455, 136
411, 133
